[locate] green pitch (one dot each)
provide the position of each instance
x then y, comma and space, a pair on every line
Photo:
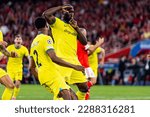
37, 92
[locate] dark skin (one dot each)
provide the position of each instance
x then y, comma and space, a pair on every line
61, 62
65, 94
68, 13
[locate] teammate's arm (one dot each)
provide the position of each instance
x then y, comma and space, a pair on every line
32, 67
6, 53
101, 62
61, 62
48, 14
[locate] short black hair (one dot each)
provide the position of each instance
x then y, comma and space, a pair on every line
40, 22
17, 36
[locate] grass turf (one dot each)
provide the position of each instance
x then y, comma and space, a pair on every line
37, 92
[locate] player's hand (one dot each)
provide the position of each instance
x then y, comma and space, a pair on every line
13, 54
3, 43
73, 23
100, 41
66, 7
90, 49
79, 68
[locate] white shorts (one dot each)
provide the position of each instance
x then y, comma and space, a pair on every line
89, 73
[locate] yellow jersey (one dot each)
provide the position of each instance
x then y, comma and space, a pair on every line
15, 64
65, 37
39, 47
1, 36
1, 39
93, 59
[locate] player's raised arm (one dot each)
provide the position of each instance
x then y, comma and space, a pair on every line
92, 48
49, 14
81, 37
6, 53
61, 62
101, 62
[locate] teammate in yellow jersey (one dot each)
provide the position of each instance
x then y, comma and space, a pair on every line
1, 36
4, 78
93, 62
1, 40
15, 65
65, 36
43, 56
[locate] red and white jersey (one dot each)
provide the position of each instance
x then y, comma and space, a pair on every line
82, 55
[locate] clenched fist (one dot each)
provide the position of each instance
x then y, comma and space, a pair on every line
13, 54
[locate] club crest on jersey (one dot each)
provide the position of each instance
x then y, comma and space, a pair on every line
49, 41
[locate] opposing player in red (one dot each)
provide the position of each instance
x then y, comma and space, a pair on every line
83, 58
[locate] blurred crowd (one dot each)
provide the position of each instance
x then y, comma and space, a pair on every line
135, 71
121, 22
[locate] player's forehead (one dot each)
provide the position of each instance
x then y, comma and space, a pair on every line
18, 38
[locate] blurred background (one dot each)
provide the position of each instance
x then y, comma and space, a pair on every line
125, 24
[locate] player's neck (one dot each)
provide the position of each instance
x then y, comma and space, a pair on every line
17, 47
42, 32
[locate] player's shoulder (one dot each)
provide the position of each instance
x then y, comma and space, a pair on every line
102, 49
99, 49
46, 37
58, 21
43, 36
23, 47
11, 46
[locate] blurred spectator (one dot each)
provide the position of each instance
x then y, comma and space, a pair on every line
146, 31
135, 67
147, 69
122, 67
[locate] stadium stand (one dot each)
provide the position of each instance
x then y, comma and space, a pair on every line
121, 22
